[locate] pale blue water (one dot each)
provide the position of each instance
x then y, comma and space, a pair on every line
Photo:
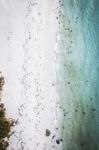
78, 74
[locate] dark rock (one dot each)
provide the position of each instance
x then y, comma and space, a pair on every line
48, 132
58, 141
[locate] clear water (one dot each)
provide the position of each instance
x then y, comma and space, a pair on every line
78, 74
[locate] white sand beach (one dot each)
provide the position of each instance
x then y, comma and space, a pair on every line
27, 61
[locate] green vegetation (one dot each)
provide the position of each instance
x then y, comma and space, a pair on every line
5, 123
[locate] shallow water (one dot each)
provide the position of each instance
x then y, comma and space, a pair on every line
77, 74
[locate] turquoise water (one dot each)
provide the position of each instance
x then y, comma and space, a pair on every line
78, 74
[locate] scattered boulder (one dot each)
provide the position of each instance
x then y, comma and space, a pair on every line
48, 132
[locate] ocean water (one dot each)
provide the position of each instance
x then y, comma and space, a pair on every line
78, 74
